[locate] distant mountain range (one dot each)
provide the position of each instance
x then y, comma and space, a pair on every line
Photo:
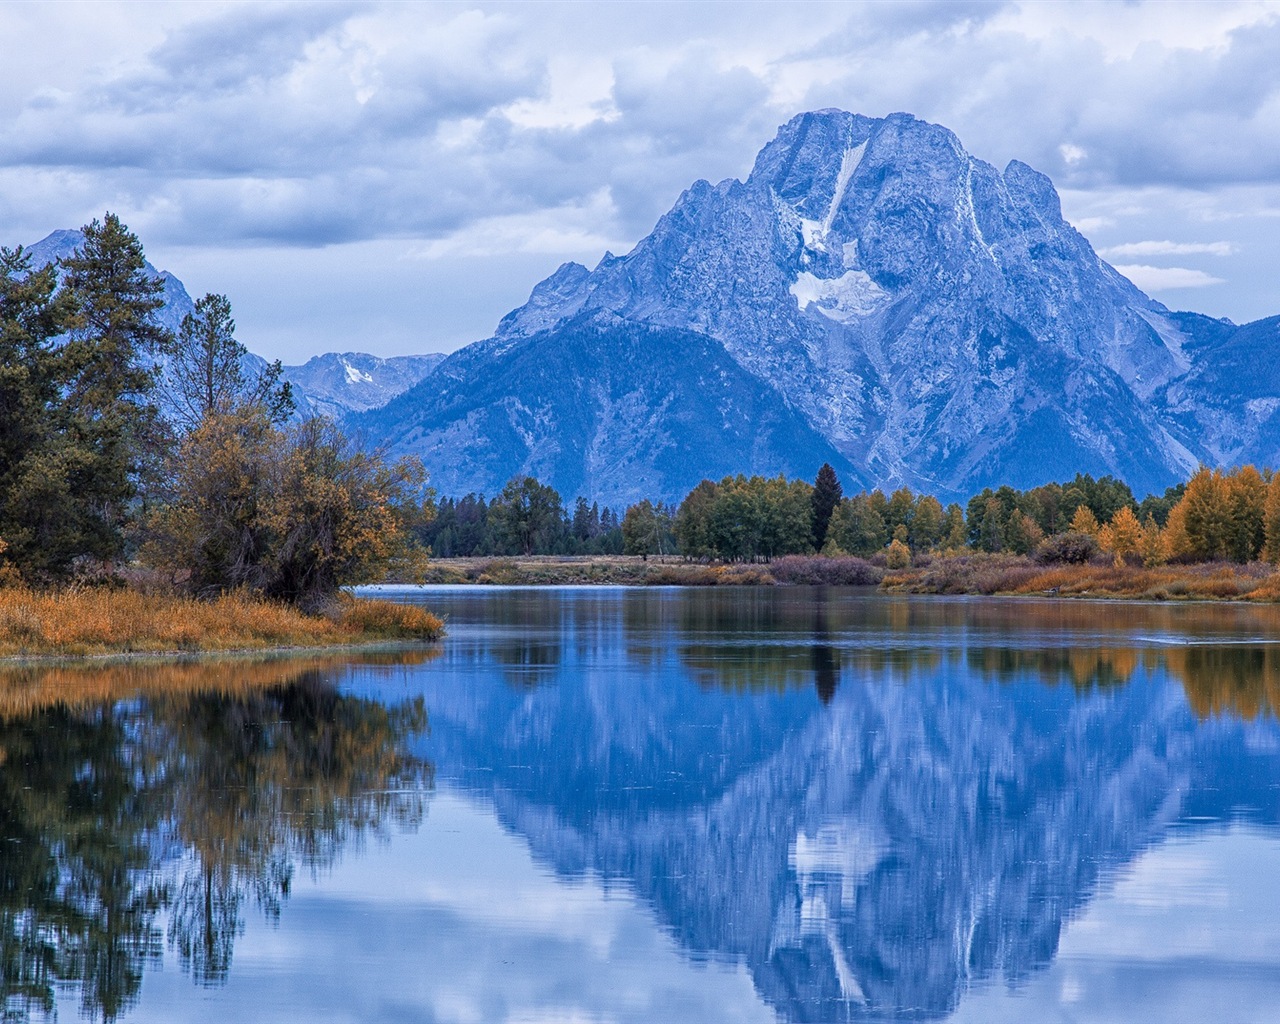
880, 294
334, 384
871, 296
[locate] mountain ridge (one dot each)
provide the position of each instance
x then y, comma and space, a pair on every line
935, 320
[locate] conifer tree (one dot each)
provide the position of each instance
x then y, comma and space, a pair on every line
102, 429
827, 493
205, 372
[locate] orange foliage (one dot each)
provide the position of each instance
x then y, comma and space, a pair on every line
85, 622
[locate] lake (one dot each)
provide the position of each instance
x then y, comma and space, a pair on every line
598, 805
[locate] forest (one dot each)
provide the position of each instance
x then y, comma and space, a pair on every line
124, 444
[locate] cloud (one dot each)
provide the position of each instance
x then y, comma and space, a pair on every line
482, 126
1158, 279
1131, 249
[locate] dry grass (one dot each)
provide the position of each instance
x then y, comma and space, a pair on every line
1006, 574
110, 621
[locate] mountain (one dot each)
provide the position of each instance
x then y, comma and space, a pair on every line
338, 383
333, 384
933, 319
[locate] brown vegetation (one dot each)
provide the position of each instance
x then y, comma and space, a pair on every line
108, 621
1015, 574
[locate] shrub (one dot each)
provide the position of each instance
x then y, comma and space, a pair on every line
1071, 548
845, 571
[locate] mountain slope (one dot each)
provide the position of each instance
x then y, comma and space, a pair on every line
600, 406
933, 318
338, 383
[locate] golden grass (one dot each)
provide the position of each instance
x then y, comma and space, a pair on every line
74, 623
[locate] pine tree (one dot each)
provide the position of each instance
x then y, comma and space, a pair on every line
827, 493
205, 372
102, 431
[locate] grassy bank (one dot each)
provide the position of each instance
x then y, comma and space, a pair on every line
1006, 574
979, 574
76, 623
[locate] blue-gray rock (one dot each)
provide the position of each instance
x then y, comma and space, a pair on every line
934, 319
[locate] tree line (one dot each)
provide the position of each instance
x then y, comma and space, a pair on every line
526, 517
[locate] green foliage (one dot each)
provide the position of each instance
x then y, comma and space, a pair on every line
858, 525
647, 530
526, 515
80, 433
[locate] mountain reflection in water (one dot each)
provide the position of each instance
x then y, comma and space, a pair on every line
877, 808
876, 804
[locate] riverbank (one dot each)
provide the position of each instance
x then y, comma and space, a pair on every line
976, 574
90, 622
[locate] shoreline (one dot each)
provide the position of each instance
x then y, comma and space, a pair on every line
244, 654
971, 574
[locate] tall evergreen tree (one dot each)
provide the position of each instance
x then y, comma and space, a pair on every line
827, 493
206, 372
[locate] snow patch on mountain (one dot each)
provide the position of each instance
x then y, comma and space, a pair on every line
851, 295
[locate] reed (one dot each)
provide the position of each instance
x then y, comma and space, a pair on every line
77, 622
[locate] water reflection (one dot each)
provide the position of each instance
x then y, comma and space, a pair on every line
139, 793
877, 805
841, 806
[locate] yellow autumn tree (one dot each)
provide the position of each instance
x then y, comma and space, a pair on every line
1122, 536
1084, 521
1177, 545
1153, 547
1271, 521
1246, 500
1206, 515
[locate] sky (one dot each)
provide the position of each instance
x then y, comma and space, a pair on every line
394, 178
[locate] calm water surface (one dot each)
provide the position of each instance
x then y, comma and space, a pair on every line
661, 805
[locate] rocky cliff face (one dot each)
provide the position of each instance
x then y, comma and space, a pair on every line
932, 318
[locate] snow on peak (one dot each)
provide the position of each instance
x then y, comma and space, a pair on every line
815, 232
355, 376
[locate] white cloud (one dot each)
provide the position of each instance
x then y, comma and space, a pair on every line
1158, 279
1072, 154
1126, 250
564, 230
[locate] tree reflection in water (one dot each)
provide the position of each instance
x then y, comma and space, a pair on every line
194, 800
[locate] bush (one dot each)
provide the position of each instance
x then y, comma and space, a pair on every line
1067, 548
846, 571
